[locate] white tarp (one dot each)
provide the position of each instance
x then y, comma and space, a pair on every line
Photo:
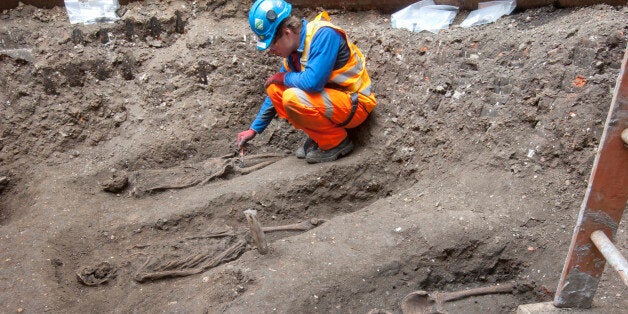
91, 11
489, 12
424, 15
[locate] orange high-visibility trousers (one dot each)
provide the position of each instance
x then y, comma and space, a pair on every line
319, 114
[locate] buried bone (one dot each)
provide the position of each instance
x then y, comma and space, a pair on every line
257, 231
422, 302
171, 265
96, 274
189, 265
150, 181
301, 226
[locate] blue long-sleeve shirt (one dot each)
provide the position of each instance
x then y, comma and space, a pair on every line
328, 51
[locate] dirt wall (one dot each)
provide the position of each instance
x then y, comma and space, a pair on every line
391, 6
46, 4
360, 5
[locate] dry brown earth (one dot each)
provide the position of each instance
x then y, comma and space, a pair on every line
470, 171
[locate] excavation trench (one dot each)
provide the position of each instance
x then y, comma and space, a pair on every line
186, 242
121, 190
110, 263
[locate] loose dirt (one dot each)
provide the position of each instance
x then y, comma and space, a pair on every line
470, 171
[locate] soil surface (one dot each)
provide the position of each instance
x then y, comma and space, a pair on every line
121, 190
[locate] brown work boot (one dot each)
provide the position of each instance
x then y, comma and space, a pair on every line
318, 155
304, 149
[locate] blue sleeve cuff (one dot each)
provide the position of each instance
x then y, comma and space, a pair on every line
265, 115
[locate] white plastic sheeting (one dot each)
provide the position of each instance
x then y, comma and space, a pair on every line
428, 16
424, 15
91, 11
489, 12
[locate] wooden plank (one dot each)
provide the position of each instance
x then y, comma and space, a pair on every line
8, 4
47, 4
602, 207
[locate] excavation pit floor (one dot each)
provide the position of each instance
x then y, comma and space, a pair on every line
122, 191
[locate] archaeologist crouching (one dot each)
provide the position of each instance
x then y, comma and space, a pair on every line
322, 88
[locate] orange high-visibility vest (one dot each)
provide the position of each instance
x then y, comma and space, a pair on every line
352, 77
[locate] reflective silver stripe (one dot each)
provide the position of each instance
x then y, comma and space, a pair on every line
329, 106
355, 70
366, 91
303, 98
344, 76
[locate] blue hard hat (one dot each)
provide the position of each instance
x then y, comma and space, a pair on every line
264, 18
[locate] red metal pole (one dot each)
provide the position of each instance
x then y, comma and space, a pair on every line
602, 207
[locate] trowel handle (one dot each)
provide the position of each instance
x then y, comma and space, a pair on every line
503, 288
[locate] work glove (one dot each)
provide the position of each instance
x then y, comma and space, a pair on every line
277, 78
244, 137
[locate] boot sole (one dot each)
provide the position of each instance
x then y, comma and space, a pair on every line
341, 153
